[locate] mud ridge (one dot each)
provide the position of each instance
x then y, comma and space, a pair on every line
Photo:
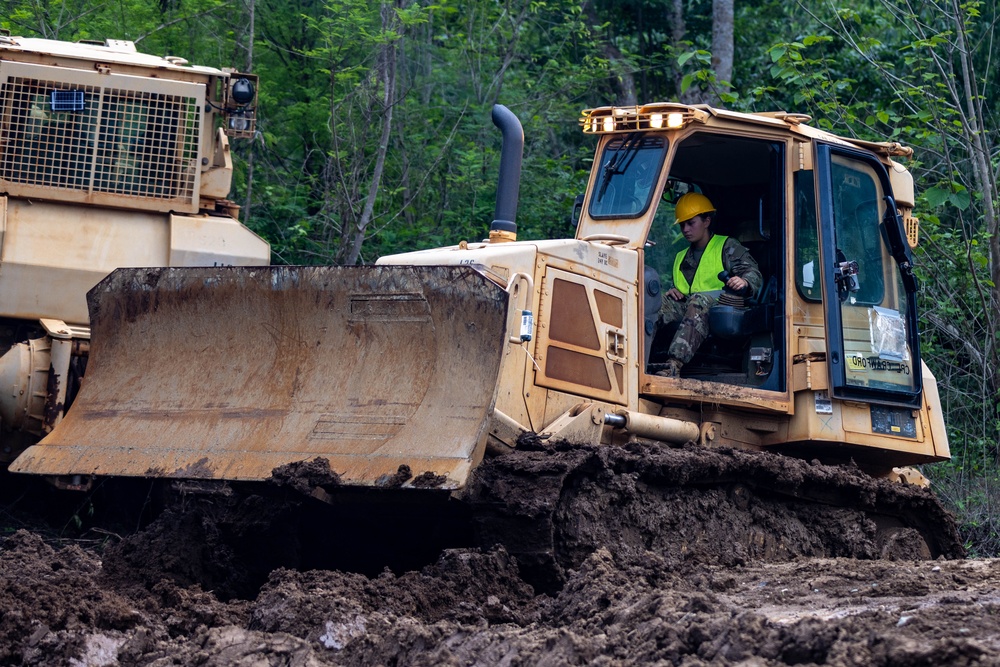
553, 506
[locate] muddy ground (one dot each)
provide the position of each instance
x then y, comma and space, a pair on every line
160, 597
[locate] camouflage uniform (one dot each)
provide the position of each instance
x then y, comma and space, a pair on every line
692, 313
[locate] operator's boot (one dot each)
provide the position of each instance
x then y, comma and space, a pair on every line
672, 370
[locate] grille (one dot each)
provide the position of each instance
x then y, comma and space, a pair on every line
100, 140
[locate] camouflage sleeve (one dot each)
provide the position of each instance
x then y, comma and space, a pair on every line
737, 260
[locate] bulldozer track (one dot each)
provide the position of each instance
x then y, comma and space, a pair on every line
551, 505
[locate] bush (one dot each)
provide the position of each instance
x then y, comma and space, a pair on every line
974, 498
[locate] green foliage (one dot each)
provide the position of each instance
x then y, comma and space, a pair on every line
697, 68
455, 61
974, 496
954, 193
193, 28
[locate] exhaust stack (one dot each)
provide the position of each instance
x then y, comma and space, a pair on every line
504, 228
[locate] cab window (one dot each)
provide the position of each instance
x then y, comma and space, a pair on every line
630, 167
807, 276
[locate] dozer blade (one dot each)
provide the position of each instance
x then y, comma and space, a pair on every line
227, 373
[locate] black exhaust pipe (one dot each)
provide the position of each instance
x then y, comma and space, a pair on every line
509, 183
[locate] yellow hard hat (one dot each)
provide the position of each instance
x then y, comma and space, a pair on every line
692, 204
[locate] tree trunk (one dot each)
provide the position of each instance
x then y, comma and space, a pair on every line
643, 51
677, 23
985, 184
722, 45
691, 95
350, 249
249, 68
622, 80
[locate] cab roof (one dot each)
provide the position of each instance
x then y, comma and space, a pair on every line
673, 115
110, 51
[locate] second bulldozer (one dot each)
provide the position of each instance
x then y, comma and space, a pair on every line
108, 158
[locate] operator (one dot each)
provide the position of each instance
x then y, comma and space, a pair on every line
697, 285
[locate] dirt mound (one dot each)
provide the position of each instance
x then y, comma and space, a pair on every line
53, 598
554, 505
305, 476
223, 541
550, 507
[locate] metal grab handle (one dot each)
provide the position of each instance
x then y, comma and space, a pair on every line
527, 319
611, 239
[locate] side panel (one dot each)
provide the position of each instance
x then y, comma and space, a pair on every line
840, 428
3, 222
214, 241
583, 347
53, 253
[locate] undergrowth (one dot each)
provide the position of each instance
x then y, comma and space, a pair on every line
974, 498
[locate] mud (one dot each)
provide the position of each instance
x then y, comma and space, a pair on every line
553, 505
304, 476
166, 595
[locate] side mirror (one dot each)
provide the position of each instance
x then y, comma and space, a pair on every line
574, 217
675, 189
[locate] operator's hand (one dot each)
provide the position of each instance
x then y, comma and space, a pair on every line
736, 284
675, 294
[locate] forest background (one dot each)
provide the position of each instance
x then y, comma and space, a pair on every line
374, 134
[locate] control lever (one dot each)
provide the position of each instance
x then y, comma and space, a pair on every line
724, 276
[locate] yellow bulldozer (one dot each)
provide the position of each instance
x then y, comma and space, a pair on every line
426, 374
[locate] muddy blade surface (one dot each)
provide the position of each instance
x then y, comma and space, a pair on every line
228, 373
553, 506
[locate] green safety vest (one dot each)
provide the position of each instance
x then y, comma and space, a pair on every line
706, 276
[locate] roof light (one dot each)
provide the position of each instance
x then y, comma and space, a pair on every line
670, 115
239, 123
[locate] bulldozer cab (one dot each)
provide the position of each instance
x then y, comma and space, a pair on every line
817, 215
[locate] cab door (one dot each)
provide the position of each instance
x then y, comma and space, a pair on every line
868, 290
